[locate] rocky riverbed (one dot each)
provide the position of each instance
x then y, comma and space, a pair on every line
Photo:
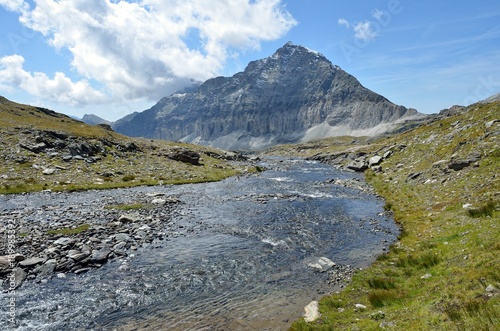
57, 239
245, 253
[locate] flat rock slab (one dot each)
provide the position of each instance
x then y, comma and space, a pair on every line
31, 262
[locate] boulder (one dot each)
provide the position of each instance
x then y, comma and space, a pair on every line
311, 312
64, 241
5, 265
100, 256
375, 160
186, 156
31, 262
322, 264
358, 166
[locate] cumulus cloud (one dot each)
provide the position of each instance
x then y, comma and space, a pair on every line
344, 22
60, 88
146, 48
365, 31
14, 5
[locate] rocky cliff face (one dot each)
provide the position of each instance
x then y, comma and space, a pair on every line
293, 96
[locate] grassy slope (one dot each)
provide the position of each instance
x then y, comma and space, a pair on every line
21, 170
435, 277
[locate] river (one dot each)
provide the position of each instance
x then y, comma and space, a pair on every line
239, 261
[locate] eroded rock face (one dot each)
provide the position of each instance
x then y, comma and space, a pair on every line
294, 95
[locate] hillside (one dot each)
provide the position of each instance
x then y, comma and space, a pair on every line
441, 182
41, 149
295, 95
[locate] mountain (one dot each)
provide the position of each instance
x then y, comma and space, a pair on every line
295, 95
94, 119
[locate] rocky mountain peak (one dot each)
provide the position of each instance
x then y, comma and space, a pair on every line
294, 95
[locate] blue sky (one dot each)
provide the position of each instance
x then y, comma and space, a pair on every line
111, 58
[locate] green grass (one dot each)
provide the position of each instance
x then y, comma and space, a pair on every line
484, 211
127, 207
435, 276
69, 231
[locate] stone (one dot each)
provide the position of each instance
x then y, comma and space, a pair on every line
322, 264
439, 164
159, 201
426, 276
5, 265
31, 262
186, 156
64, 241
359, 306
45, 270
49, 171
387, 154
459, 164
380, 315
19, 277
77, 257
81, 271
311, 312
100, 256
122, 237
358, 166
129, 218
490, 288
375, 160
414, 175
119, 246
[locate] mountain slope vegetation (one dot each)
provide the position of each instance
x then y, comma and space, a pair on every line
44, 150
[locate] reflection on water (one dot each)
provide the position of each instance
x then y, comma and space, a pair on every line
241, 263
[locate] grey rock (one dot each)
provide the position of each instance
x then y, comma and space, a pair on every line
5, 264
81, 271
122, 237
375, 160
414, 175
358, 166
380, 315
31, 262
322, 264
459, 164
119, 246
490, 288
45, 270
64, 241
129, 218
100, 256
49, 171
78, 257
19, 277
186, 156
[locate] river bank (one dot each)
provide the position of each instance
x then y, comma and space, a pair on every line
440, 181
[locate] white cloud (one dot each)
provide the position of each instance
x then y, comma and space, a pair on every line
147, 48
344, 22
14, 5
60, 89
378, 14
364, 31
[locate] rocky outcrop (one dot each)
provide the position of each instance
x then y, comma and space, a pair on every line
293, 96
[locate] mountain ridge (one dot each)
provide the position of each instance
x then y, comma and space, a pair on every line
294, 95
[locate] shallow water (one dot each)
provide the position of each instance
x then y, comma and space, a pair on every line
238, 261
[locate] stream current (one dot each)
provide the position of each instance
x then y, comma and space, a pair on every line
238, 261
